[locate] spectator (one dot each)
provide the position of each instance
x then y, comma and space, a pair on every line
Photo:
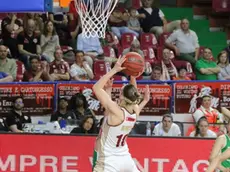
38, 21
49, 41
15, 119
135, 47
37, 72
182, 74
81, 70
11, 27
79, 106
7, 66
87, 126
59, 69
153, 19
62, 112
223, 63
202, 129
133, 22
168, 68
206, 68
157, 73
117, 21
186, 43
167, 127
29, 43
91, 46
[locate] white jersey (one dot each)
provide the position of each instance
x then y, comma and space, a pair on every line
112, 139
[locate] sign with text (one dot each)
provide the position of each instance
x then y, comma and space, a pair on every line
159, 103
149, 154
38, 98
188, 95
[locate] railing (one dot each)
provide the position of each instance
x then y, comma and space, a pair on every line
41, 98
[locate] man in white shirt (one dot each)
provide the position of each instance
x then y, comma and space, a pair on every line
153, 19
167, 127
184, 42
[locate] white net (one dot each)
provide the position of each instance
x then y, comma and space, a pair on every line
94, 15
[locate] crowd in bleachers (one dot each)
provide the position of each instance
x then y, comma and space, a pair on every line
51, 47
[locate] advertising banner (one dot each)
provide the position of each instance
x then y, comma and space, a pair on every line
37, 153
38, 98
188, 95
159, 103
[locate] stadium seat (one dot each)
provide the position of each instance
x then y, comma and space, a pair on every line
20, 71
100, 68
109, 51
163, 38
221, 5
127, 39
148, 40
149, 55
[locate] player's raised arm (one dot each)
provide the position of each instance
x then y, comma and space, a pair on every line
99, 91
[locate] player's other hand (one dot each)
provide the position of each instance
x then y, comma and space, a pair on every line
118, 66
147, 93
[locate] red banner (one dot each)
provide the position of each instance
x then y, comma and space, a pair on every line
158, 105
37, 153
38, 98
188, 95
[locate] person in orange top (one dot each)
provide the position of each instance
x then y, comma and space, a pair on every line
182, 74
213, 116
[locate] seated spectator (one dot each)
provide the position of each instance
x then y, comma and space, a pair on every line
182, 75
49, 41
79, 106
59, 69
87, 126
186, 43
117, 21
29, 43
153, 19
206, 68
133, 22
135, 47
15, 119
167, 127
7, 66
39, 24
62, 112
81, 70
5, 77
91, 46
157, 74
168, 68
202, 129
223, 63
11, 27
37, 72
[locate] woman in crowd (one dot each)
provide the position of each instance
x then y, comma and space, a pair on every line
79, 106
49, 41
202, 129
87, 126
223, 63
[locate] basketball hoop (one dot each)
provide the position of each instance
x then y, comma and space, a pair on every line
94, 15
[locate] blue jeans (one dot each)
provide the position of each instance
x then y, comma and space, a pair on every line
118, 31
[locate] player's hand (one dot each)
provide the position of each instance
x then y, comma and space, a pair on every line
118, 66
147, 93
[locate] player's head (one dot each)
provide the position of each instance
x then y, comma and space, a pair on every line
202, 126
129, 95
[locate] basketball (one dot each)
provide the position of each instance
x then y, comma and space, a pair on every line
134, 64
